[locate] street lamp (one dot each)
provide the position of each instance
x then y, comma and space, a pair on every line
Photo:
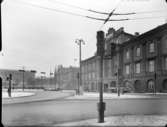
23, 76
80, 42
43, 73
50, 76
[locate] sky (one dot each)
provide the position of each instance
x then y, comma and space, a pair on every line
40, 39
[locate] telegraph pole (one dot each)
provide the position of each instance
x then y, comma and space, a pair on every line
118, 69
10, 84
80, 42
100, 53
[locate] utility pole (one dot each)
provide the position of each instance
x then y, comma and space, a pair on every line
80, 42
23, 76
10, 84
42, 79
100, 53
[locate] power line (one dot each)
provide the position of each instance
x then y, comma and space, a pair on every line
69, 5
51, 9
66, 12
75, 14
109, 15
146, 18
106, 13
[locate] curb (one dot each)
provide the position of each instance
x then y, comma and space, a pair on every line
38, 100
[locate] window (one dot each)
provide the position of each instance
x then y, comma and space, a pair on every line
151, 47
165, 63
138, 51
151, 85
127, 67
137, 67
127, 54
151, 66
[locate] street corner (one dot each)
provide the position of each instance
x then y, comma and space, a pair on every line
128, 120
17, 94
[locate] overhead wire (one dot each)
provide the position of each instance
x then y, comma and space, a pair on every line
110, 14
51, 9
66, 12
105, 13
90, 17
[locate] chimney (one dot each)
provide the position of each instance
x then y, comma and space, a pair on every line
111, 30
120, 30
137, 33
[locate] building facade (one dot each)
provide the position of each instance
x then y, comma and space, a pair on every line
67, 77
136, 63
145, 61
90, 66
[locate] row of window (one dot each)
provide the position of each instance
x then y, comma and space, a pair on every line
151, 49
151, 66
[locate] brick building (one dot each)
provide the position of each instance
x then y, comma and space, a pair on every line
67, 77
138, 62
17, 78
90, 66
145, 61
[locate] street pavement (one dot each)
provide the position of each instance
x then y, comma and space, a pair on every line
61, 110
124, 120
38, 96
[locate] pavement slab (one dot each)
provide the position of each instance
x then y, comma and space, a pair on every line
123, 120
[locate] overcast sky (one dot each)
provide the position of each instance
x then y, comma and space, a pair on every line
40, 39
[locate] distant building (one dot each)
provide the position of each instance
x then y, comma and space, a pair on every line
17, 78
67, 77
138, 63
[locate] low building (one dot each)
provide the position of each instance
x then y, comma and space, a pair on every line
17, 78
67, 77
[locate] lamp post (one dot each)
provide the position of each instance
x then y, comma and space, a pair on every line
118, 68
80, 42
43, 73
115, 51
23, 77
50, 77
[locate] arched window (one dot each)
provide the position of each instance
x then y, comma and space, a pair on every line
150, 85
165, 84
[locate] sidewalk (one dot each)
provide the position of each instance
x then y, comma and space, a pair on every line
38, 96
94, 95
124, 120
